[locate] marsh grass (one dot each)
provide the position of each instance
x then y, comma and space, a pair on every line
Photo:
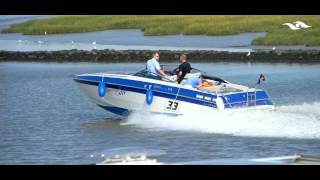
157, 25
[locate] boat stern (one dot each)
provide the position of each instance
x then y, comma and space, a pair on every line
251, 99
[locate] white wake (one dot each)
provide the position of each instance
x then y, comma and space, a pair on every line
292, 121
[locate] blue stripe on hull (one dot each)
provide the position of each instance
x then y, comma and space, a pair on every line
155, 93
143, 85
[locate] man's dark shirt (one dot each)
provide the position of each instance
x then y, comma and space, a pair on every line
184, 68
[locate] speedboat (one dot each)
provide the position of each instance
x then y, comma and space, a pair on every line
123, 93
278, 160
127, 156
143, 156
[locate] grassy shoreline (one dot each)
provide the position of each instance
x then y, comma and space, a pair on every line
156, 25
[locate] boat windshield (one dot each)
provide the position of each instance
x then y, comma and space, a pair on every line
168, 69
171, 70
213, 83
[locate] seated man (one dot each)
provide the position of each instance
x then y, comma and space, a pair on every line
195, 82
183, 68
154, 69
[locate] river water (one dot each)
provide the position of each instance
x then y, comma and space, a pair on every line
46, 119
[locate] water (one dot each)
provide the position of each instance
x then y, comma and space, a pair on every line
46, 119
124, 39
25, 45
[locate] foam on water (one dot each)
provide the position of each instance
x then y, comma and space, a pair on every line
290, 121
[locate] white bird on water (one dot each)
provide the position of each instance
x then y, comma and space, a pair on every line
273, 48
45, 33
94, 43
249, 53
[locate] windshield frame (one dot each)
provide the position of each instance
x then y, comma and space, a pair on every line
172, 71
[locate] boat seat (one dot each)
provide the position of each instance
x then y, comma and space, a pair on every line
219, 89
210, 89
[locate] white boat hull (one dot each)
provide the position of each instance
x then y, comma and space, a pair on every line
133, 101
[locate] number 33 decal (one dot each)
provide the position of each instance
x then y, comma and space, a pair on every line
172, 105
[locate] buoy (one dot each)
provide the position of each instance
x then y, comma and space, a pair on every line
219, 103
102, 88
149, 96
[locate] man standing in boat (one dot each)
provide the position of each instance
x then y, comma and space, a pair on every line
153, 67
183, 68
